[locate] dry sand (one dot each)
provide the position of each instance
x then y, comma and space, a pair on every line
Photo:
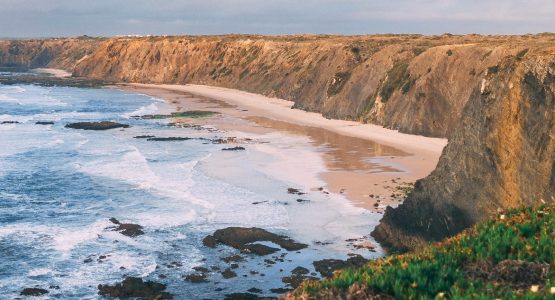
369, 164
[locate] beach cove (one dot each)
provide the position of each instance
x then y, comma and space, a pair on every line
166, 197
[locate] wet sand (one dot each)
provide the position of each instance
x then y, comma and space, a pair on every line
372, 166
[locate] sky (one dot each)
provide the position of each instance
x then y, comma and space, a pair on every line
56, 18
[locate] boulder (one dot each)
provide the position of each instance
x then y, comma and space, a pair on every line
136, 288
127, 229
104, 125
326, 267
33, 292
245, 239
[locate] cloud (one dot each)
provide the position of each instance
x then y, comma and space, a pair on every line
113, 17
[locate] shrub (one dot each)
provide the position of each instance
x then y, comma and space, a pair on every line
338, 82
398, 77
472, 265
520, 55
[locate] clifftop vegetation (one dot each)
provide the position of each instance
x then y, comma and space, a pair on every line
510, 257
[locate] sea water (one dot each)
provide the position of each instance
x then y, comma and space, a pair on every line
59, 187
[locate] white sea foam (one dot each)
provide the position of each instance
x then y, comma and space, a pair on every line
91, 274
291, 163
42, 272
165, 219
57, 116
20, 119
43, 100
66, 239
133, 168
144, 110
13, 197
23, 230
6, 98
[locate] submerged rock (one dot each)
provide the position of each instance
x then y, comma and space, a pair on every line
228, 273
326, 267
33, 292
127, 229
135, 287
280, 290
254, 290
44, 123
104, 125
238, 148
180, 114
245, 239
10, 122
144, 137
196, 278
298, 275
246, 296
168, 139
294, 191
233, 258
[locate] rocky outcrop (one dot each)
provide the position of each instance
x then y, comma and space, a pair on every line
500, 156
127, 229
245, 239
33, 292
133, 287
104, 125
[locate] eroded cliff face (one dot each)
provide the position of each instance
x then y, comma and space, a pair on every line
414, 84
500, 156
54, 53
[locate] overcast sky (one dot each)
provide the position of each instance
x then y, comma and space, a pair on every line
36, 18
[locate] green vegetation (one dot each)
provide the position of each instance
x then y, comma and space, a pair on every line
493, 70
338, 82
251, 55
181, 114
419, 50
449, 52
520, 55
486, 55
398, 77
510, 257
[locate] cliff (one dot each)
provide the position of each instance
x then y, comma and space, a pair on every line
501, 155
416, 84
54, 53
492, 96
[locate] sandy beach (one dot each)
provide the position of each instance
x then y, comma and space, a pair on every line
372, 166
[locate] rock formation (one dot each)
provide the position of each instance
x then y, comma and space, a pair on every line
501, 155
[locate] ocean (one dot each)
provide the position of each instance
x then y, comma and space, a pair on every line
59, 187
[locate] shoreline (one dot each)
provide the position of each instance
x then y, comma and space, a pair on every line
370, 165
281, 109
53, 72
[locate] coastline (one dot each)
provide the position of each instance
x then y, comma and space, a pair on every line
53, 72
372, 166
